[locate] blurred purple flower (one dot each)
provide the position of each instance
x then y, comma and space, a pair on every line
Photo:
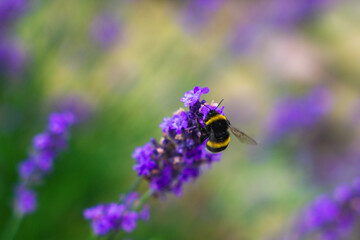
168, 164
145, 213
290, 12
331, 217
25, 202
243, 37
42, 141
267, 15
105, 30
128, 222
10, 10
177, 158
59, 122
81, 107
27, 170
44, 160
299, 113
12, 57
115, 216
46, 146
197, 13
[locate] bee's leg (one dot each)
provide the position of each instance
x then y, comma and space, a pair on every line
203, 137
203, 133
191, 128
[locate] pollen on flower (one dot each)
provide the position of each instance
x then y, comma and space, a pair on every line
159, 150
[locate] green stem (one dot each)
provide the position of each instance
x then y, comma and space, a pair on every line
135, 184
137, 207
113, 235
143, 199
92, 237
11, 228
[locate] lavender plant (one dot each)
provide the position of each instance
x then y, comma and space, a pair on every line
330, 217
273, 14
299, 113
117, 215
12, 55
197, 14
32, 171
167, 164
105, 30
10, 10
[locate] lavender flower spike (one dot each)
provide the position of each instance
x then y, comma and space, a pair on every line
178, 156
25, 202
168, 164
105, 30
296, 113
331, 217
46, 147
115, 216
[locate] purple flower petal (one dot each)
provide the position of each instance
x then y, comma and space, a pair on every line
27, 169
193, 96
101, 226
179, 122
128, 222
105, 30
25, 201
42, 141
45, 147
165, 125
94, 212
145, 213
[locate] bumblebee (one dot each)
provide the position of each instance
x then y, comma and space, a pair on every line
217, 134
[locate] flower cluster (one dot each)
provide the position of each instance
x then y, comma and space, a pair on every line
105, 30
291, 12
177, 157
331, 217
198, 13
12, 55
291, 114
46, 146
114, 216
167, 165
265, 15
10, 10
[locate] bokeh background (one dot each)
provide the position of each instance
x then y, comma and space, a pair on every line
287, 69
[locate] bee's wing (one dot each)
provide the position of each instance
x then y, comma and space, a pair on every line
242, 136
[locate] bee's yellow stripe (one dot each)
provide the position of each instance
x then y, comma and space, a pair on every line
218, 144
215, 118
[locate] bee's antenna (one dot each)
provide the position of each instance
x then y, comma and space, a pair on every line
219, 103
216, 106
206, 106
